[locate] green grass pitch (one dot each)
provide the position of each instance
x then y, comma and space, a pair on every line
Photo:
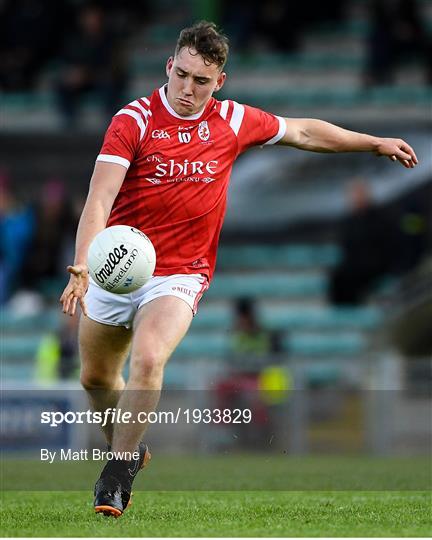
243, 513
237, 495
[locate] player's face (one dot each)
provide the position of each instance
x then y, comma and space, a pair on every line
191, 82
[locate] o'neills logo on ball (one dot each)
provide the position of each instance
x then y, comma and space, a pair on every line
113, 259
203, 131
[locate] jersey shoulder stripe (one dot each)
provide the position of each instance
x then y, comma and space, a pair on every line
138, 118
224, 109
139, 109
237, 117
233, 113
142, 107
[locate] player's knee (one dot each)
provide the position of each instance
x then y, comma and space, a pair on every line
93, 381
147, 366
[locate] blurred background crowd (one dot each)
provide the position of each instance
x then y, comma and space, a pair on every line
325, 283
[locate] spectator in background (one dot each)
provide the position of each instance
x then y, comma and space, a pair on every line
57, 354
54, 225
369, 243
397, 33
68, 341
247, 386
248, 335
415, 228
92, 60
16, 225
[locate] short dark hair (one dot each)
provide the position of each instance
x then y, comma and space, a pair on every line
208, 42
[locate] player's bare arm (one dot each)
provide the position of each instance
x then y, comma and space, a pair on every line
320, 136
104, 186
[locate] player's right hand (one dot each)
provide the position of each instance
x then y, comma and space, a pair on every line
76, 289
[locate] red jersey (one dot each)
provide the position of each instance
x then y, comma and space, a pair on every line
178, 170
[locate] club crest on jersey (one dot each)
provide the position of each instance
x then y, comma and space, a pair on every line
203, 131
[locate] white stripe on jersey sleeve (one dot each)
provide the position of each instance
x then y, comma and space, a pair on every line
146, 100
237, 117
138, 118
280, 133
138, 105
113, 159
224, 109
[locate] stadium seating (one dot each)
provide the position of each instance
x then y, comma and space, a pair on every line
13, 322
290, 256
271, 284
327, 71
289, 316
289, 283
218, 344
20, 347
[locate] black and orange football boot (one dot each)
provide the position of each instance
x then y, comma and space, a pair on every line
113, 490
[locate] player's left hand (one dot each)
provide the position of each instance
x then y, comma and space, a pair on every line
397, 150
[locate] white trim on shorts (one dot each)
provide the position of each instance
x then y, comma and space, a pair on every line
120, 309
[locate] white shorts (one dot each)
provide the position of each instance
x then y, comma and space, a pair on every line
120, 309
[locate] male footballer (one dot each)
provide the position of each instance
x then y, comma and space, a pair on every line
164, 168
